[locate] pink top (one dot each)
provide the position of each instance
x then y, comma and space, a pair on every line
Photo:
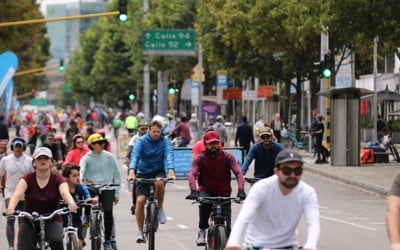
75, 155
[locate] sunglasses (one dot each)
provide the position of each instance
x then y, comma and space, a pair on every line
99, 143
263, 137
288, 171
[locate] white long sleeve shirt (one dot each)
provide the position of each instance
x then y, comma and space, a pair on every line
269, 218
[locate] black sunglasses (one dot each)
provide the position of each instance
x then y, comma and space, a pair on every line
99, 142
265, 136
288, 171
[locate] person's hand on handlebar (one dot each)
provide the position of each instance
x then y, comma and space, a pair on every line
171, 174
194, 195
131, 175
9, 211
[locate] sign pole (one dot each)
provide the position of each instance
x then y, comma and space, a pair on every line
200, 109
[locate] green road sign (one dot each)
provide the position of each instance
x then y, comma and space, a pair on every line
168, 42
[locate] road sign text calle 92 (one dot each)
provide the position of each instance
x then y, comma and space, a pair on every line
168, 42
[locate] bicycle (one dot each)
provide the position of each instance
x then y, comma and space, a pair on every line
251, 180
255, 247
217, 231
96, 227
71, 239
42, 244
289, 140
151, 208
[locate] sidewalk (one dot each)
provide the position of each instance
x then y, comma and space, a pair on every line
375, 178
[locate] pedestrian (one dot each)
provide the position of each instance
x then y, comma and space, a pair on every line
272, 210
312, 127
3, 129
380, 124
277, 124
194, 127
244, 134
150, 158
212, 170
383, 144
318, 135
393, 214
264, 153
221, 130
14, 166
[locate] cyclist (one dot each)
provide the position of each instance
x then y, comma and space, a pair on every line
100, 167
264, 153
264, 223
147, 161
393, 214
14, 166
43, 190
142, 129
79, 192
78, 150
212, 169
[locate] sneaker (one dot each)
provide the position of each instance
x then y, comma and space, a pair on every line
114, 244
162, 218
11, 248
107, 245
201, 238
140, 238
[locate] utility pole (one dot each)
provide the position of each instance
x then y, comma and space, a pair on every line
375, 101
146, 78
200, 109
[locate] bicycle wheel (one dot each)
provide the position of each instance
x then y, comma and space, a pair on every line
95, 232
72, 243
211, 239
220, 235
152, 224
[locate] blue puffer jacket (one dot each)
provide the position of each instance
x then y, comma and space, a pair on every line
150, 156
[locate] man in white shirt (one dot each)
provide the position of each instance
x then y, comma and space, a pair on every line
273, 207
14, 166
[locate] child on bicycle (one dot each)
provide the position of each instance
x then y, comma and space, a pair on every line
79, 192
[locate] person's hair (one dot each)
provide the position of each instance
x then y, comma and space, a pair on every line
244, 118
209, 128
385, 130
68, 169
155, 123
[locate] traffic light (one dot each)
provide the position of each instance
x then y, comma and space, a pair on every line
123, 10
171, 89
327, 66
131, 97
61, 67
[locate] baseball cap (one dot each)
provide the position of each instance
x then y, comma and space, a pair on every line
287, 156
211, 136
18, 142
42, 151
95, 138
265, 131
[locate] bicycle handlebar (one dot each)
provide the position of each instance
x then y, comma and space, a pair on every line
34, 216
217, 200
251, 180
102, 186
152, 180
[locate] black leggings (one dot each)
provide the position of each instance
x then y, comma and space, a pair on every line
28, 236
106, 199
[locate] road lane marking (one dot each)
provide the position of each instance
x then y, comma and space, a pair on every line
348, 223
181, 226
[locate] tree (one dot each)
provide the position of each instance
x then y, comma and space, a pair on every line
28, 42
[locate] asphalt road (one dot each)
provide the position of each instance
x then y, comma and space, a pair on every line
350, 218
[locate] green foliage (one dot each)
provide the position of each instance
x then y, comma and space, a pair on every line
28, 42
366, 122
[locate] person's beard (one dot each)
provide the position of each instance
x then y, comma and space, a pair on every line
213, 152
267, 145
290, 185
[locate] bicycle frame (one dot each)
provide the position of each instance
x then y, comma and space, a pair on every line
41, 244
70, 234
151, 208
217, 231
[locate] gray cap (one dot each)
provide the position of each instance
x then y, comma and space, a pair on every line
287, 156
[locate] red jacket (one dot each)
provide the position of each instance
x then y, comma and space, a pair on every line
214, 174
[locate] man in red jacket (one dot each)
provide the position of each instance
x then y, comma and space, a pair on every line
212, 169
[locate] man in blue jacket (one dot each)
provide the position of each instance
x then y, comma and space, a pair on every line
264, 152
148, 161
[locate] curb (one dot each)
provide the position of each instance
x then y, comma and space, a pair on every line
360, 184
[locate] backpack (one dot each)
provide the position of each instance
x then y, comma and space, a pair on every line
367, 156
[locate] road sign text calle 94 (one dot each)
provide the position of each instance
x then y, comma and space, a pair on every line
168, 42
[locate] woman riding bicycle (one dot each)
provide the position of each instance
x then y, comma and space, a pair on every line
100, 167
43, 190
